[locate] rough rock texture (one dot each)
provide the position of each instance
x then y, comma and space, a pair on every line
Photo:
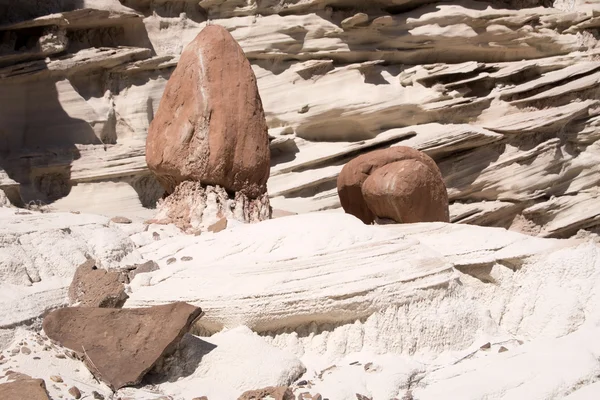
93, 287
210, 125
146, 267
194, 207
4, 201
386, 311
275, 393
417, 301
120, 346
39, 253
399, 183
30, 389
502, 94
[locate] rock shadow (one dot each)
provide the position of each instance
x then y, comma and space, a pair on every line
275, 66
334, 126
18, 11
183, 363
38, 140
174, 9
284, 153
461, 170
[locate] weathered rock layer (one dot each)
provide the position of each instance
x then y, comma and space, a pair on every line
503, 95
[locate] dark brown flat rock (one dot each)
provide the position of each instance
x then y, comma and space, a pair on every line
30, 389
120, 346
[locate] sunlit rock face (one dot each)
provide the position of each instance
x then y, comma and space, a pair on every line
503, 95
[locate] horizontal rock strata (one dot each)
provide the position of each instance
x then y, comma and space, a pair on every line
503, 95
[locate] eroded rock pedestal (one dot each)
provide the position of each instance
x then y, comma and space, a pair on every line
210, 129
194, 207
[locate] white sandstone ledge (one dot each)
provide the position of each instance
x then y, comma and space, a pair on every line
411, 304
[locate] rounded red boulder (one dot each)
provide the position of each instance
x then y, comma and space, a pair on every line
210, 125
398, 183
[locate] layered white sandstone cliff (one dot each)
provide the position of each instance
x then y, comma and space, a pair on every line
504, 95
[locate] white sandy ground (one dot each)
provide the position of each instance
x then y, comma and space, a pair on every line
384, 311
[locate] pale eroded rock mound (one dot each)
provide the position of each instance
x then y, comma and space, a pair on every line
210, 125
239, 359
120, 346
399, 183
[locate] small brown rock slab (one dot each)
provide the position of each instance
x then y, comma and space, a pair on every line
30, 389
95, 287
75, 392
146, 267
97, 396
120, 220
275, 392
218, 226
120, 346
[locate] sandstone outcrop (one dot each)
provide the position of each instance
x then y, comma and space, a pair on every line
218, 226
365, 309
501, 94
30, 389
94, 287
400, 183
120, 346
